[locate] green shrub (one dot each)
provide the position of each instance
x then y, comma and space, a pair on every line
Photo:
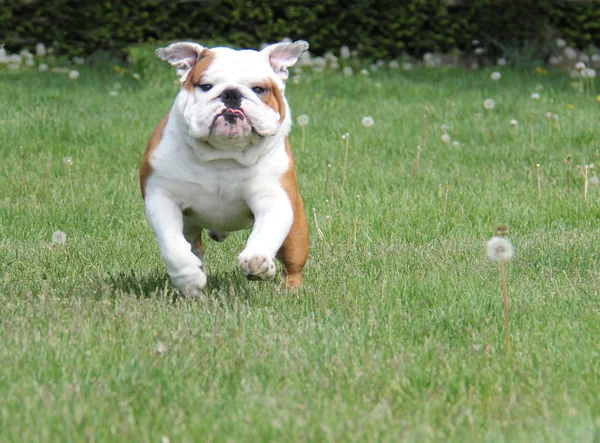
381, 28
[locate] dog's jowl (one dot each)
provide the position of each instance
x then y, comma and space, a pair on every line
221, 160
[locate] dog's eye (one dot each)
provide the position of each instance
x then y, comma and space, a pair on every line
206, 87
258, 90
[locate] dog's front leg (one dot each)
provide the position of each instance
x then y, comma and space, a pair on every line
183, 266
273, 217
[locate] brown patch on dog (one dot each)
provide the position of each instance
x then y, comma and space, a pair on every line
294, 251
273, 98
194, 78
146, 168
198, 242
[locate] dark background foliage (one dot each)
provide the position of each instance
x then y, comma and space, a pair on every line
380, 28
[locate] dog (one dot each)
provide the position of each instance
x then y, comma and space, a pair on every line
221, 161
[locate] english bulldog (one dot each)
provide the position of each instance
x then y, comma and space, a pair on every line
221, 161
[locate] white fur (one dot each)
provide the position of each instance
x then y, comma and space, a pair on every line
228, 184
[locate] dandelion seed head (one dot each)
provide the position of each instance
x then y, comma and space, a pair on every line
535, 96
561, 43
345, 52
136, 76
303, 120
59, 237
501, 61
570, 53
377, 85
489, 104
40, 50
496, 76
407, 66
444, 128
364, 72
368, 121
346, 136
347, 71
73, 75
500, 249
513, 122
479, 51
113, 93
446, 138
68, 160
394, 64
580, 66
160, 347
548, 115
456, 143
43, 67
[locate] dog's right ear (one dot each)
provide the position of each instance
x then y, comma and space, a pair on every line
183, 55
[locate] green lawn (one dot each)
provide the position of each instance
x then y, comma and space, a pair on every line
397, 336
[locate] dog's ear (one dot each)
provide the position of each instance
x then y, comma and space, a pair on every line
183, 55
283, 55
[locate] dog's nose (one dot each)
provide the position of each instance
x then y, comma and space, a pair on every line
232, 98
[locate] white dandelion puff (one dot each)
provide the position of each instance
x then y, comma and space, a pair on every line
364, 72
580, 66
501, 61
489, 104
43, 67
73, 75
513, 122
500, 249
394, 64
446, 138
113, 93
367, 121
561, 43
496, 76
535, 96
40, 50
345, 52
407, 66
570, 53
479, 51
303, 119
347, 71
68, 160
59, 237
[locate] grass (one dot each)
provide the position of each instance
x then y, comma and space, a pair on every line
397, 336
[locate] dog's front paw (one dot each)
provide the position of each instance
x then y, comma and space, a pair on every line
256, 266
190, 280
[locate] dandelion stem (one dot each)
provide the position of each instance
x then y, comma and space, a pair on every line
539, 183
303, 139
71, 184
532, 131
327, 175
23, 171
416, 167
345, 163
506, 305
45, 177
585, 182
321, 235
454, 118
568, 163
425, 131
446, 197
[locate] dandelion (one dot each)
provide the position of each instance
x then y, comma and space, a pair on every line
321, 235
136, 76
444, 128
500, 249
598, 98
73, 75
368, 121
561, 43
43, 67
296, 79
489, 104
394, 64
345, 52
377, 85
364, 72
79, 60
548, 115
535, 96
570, 106
113, 93
570, 53
407, 66
456, 143
69, 161
538, 173
554, 60
445, 138
160, 347
479, 51
580, 66
513, 127
501, 62
347, 71
496, 76
585, 172
303, 120
40, 50
59, 237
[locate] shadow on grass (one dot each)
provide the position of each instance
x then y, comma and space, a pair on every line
157, 284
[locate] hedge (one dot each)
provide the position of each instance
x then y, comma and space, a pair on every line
380, 28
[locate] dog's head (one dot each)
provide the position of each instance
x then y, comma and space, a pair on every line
232, 99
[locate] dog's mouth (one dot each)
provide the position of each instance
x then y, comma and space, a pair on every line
231, 123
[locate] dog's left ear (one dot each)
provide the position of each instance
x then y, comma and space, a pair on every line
283, 55
183, 55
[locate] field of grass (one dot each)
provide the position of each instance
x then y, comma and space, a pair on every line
397, 332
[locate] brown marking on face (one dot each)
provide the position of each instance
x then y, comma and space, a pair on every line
294, 251
146, 168
273, 98
194, 78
